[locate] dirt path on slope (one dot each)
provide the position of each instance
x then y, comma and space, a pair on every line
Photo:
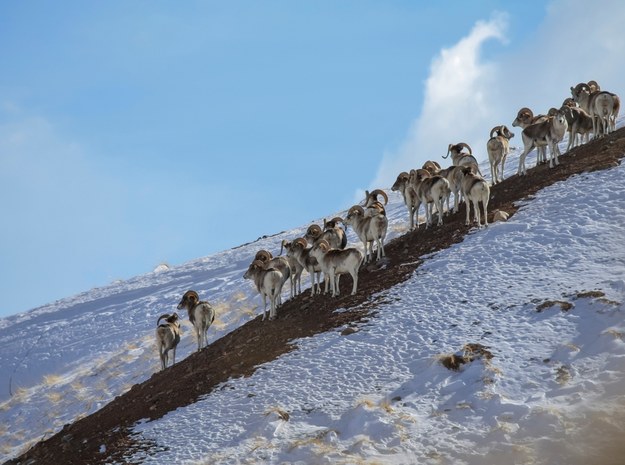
242, 351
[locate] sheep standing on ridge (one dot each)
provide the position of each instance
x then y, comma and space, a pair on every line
299, 250
475, 190
369, 229
167, 337
268, 282
333, 262
201, 315
402, 184
498, 147
279, 263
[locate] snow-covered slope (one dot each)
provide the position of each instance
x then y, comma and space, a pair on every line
379, 395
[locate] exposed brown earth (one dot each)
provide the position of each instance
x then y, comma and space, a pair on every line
242, 351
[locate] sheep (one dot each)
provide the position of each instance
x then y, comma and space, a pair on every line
498, 147
579, 122
454, 175
373, 206
369, 229
333, 262
460, 158
280, 263
201, 315
475, 190
524, 118
167, 337
331, 232
402, 184
548, 132
602, 106
431, 191
298, 249
432, 166
269, 282
296, 269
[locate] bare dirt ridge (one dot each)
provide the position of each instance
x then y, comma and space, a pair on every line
242, 351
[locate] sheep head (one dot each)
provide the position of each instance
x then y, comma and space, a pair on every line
524, 116
189, 300
372, 197
402, 179
314, 231
332, 223
322, 245
173, 319
300, 243
579, 89
569, 102
263, 255
505, 132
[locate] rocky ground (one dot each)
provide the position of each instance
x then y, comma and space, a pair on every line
242, 351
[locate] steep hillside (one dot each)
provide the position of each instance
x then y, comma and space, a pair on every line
105, 436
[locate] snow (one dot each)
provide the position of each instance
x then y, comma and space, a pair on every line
551, 393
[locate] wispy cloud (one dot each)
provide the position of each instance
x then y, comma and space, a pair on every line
457, 98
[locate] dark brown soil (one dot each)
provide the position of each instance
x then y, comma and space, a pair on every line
242, 351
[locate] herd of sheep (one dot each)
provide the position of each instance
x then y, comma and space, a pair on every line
324, 250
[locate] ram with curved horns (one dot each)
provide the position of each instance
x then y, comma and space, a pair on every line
201, 315
268, 283
498, 147
460, 158
402, 184
299, 250
167, 337
369, 229
372, 205
331, 232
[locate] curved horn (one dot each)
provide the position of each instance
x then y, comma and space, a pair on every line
314, 230
301, 241
377, 192
263, 255
164, 315
283, 244
506, 132
403, 176
189, 296
496, 129
448, 150
323, 245
464, 144
594, 86
356, 208
579, 88
258, 264
332, 223
552, 111
569, 102
525, 110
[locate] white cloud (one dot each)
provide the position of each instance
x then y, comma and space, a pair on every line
457, 98
466, 96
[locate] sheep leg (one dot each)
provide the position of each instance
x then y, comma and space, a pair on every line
467, 221
439, 207
354, 274
485, 205
476, 211
522, 170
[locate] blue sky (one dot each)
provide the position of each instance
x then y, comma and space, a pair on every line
136, 133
